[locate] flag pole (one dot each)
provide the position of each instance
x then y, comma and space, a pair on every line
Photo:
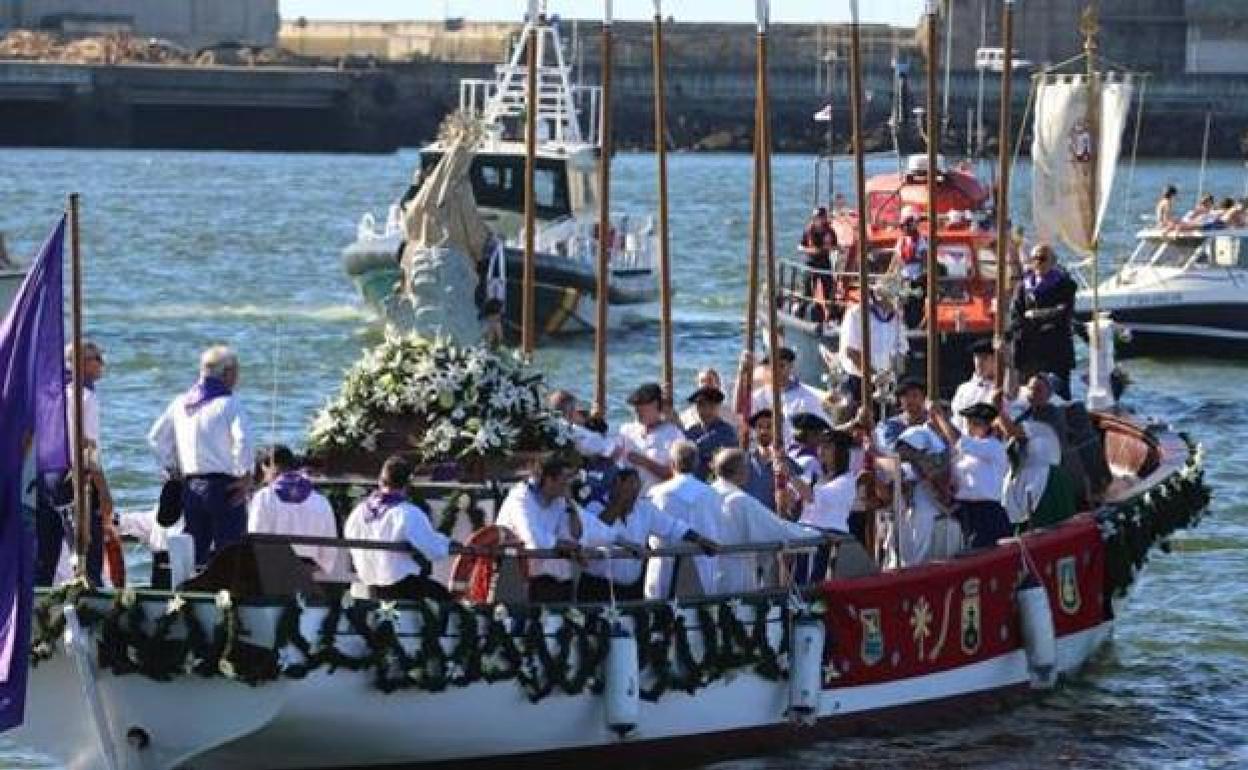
1003, 189
528, 300
933, 216
82, 511
751, 300
604, 223
660, 149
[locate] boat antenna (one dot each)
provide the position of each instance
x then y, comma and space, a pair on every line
933, 216
1004, 264
528, 322
604, 222
746, 387
82, 522
1204, 151
660, 149
763, 13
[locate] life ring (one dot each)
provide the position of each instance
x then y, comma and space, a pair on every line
472, 576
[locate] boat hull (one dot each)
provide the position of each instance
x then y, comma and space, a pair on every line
1204, 330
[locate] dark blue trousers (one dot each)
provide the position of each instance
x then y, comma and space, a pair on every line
51, 530
985, 521
211, 521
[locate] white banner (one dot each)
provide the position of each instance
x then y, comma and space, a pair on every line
1062, 154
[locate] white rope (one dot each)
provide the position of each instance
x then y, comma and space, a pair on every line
1135, 148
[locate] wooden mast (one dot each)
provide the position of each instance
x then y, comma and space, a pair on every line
1089, 27
660, 149
933, 218
751, 300
604, 223
82, 510
860, 187
528, 300
1003, 189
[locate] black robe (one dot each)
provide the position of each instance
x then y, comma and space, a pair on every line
1045, 342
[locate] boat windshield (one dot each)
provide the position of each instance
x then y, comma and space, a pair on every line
1169, 253
498, 183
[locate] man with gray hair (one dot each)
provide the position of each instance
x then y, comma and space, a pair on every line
687, 499
202, 438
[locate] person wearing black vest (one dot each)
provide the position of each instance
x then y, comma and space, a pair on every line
1040, 320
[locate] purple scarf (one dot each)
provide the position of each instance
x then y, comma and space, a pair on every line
1036, 285
202, 392
292, 487
379, 502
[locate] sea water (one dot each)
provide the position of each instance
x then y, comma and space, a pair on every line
183, 249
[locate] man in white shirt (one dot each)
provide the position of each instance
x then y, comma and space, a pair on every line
687, 499
746, 520
980, 465
588, 443
537, 512
289, 505
386, 516
796, 397
203, 437
648, 440
51, 531
888, 342
631, 520
978, 389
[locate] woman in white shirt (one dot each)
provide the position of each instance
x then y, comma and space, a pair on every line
980, 465
832, 502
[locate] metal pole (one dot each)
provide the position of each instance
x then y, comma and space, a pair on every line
604, 223
82, 511
660, 148
933, 145
528, 323
860, 187
1204, 153
1003, 193
751, 300
769, 236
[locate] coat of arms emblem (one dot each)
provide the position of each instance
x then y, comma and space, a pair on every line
872, 651
1080, 142
1068, 584
972, 620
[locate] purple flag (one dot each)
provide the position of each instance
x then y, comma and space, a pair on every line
32, 411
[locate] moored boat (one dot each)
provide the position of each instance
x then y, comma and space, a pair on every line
161, 680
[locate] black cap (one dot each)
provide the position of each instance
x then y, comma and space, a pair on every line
982, 347
821, 211
707, 393
980, 411
907, 384
759, 415
646, 394
805, 422
786, 354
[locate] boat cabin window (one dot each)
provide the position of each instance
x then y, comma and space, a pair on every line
498, 183
1175, 253
1227, 251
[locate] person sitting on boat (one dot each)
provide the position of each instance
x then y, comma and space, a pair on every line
762, 466
1038, 491
709, 378
1204, 215
746, 520
648, 439
685, 498
818, 242
979, 388
203, 437
1041, 315
796, 397
710, 432
631, 520
912, 412
1164, 213
386, 516
888, 342
50, 525
922, 463
980, 464
1233, 213
289, 505
832, 501
536, 511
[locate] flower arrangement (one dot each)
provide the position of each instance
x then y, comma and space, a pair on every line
445, 402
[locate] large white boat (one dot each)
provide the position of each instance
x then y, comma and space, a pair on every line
569, 147
1181, 292
155, 680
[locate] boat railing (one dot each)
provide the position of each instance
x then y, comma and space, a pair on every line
367, 229
632, 243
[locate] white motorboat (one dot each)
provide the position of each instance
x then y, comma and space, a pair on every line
1181, 292
569, 146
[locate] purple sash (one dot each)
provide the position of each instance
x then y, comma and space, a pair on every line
202, 392
292, 487
1035, 285
379, 502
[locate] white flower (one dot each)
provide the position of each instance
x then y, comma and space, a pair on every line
224, 601
175, 605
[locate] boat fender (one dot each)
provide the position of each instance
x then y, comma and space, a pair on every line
623, 685
806, 667
1039, 638
181, 559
